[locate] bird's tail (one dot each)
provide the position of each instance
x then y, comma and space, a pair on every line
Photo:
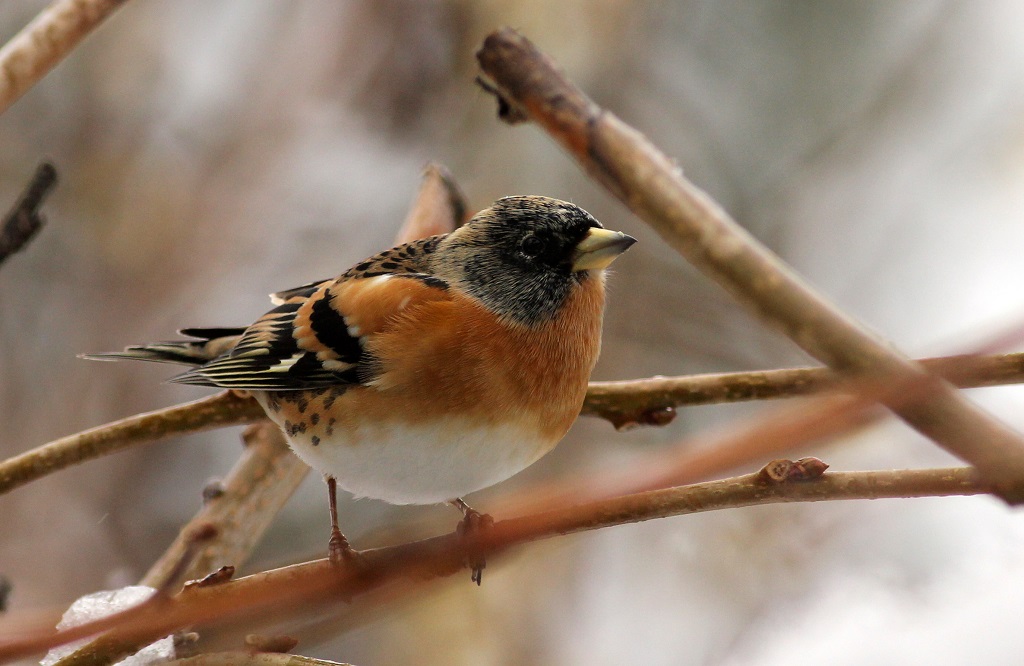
209, 343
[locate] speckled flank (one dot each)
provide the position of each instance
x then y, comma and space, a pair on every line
332, 395
301, 413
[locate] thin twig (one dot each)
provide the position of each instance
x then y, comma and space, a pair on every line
653, 186
24, 220
296, 588
5, 591
223, 409
44, 42
650, 401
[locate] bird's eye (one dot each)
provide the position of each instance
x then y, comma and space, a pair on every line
532, 246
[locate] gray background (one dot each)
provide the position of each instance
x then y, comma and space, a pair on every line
212, 152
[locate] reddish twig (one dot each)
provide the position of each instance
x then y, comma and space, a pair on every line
653, 401
295, 589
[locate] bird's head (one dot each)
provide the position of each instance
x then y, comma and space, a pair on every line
523, 256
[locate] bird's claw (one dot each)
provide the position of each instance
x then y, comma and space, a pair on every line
472, 525
339, 552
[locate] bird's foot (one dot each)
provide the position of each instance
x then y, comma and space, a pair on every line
339, 552
347, 561
473, 524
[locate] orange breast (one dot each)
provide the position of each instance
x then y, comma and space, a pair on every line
453, 357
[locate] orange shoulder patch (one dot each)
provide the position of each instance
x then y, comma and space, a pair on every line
370, 303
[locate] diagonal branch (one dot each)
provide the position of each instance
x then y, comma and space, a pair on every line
240, 508
439, 207
295, 589
44, 42
530, 85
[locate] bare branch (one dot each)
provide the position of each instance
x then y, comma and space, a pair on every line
651, 401
223, 409
44, 42
654, 188
295, 589
24, 220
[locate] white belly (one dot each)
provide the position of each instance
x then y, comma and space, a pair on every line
426, 464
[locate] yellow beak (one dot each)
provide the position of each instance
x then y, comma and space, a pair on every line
599, 248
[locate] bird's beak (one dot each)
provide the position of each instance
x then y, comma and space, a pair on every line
599, 248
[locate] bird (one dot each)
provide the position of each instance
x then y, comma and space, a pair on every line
428, 371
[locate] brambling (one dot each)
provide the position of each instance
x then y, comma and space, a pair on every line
433, 369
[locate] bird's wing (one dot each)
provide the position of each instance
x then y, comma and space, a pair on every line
316, 336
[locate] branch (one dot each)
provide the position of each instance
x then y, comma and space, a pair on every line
705, 455
653, 401
766, 435
296, 588
628, 165
223, 409
44, 42
24, 220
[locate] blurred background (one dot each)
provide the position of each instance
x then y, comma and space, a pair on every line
213, 152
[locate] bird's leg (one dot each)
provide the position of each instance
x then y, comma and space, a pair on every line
473, 522
338, 549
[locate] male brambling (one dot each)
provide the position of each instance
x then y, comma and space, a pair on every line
433, 369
